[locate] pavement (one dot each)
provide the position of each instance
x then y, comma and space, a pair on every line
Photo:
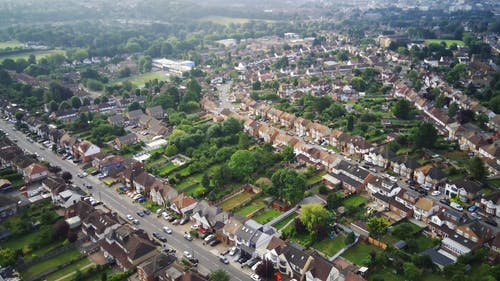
207, 260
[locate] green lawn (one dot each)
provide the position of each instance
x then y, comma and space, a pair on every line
235, 201
140, 80
330, 246
196, 191
19, 242
354, 201
50, 263
189, 181
424, 243
284, 221
387, 275
250, 208
448, 42
166, 169
10, 44
267, 216
360, 253
69, 269
316, 178
38, 54
97, 276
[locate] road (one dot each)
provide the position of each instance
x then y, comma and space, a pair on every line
123, 206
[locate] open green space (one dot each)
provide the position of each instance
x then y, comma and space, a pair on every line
267, 216
386, 274
196, 191
10, 44
69, 269
448, 42
166, 169
187, 182
235, 201
38, 54
142, 79
329, 246
316, 178
50, 263
284, 221
360, 253
250, 208
354, 201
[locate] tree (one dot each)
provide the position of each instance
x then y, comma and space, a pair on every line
402, 109
61, 228
265, 270
287, 154
377, 226
124, 72
334, 200
288, 185
312, 215
19, 115
219, 275
134, 106
5, 78
476, 168
76, 102
403, 231
72, 236
171, 150
350, 123
425, 135
351, 237
411, 272
7, 257
242, 163
66, 176
452, 109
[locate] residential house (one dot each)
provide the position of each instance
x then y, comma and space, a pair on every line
206, 216
183, 204
143, 182
282, 140
381, 157
334, 137
128, 247
273, 250
302, 126
274, 115
322, 269
294, 262
54, 185
466, 190
424, 208
475, 231
268, 133
319, 131
160, 193
405, 166
491, 203
66, 198
359, 146
154, 268
230, 229
429, 175
107, 163
155, 112
287, 119
494, 253
67, 142
449, 217
251, 127
383, 186
85, 150
253, 235
35, 172
128, 139
98, 224
116, 120
134, 115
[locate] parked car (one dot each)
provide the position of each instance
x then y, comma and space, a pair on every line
472, 208
165, 215
141, 200
188, 237
195, 227
204, 235
130, 217
476, 216
214, 242
491, 222
445, 201
146, 212
140, 214
209, 238
255, 277
188, 255
183, 221
167, 230
436, 193
136, 221
456, 206
233, 251
224, 260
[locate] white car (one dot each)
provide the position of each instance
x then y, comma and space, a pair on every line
165, 215
476, 216
130, 217
167, 230
456, 206
188, 255
195, 227
436, 193
255, 277
233, 251
209, 237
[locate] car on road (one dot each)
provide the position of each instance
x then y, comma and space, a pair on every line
147, 212
209, 238
445, 201
167, 230
140, 214
224, 260
130, 217
141, 200
188, 255
456, 206
472, 208
165, 215
255, 277
204, 235
160, 237
214, 242
436, 193
183, 221
188, 237
136, 221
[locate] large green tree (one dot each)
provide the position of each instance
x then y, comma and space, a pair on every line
425, 135
242, 163
288, 185
402, 109
219, 275
476, 168
313, 215
377, 226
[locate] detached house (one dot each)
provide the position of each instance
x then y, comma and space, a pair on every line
98, 224
183, 204
322, 269
128, 139
466, 190
207, 216
429, 175
161, 193
491, 204
294, 262
155, 112
35, 172
85, 150
424, 208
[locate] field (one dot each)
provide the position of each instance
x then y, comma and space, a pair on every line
235, 201
284, 221
38, 54
387, 275
448, 42
250, 208
50, 263
354, 201
140, 80
84, 263
229, 20
329, 246
360, 253
10, 44
267, 216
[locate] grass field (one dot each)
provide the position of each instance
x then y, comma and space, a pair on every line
19, 242
250, 208
194, 179
355, 201
140, 80
10, 44
235, 201
316, 178
69, 269
284, 221
360, 253
386, 274
329, 246
229, 20
38, 54
267, 216
50, 263
448, 42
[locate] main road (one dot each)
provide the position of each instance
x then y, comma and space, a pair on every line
208, 260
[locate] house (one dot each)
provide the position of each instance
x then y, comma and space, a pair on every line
107, 163
322, 269
273, 250
160, 193
251, 127
8, 206
128, 247
466, 190
318, 131
491, 203
183, 204
252, 236
134, 115
268, 133
66, 198
116, 120
404, 166
301, 126
424, 208
156, 268
143, 182
429, 175
35, 172
67, 142
294, 262
230, 229
85, 150
438, 258
381, 157
349, 185
274, 115
383, 186
155, 112
54, 185
455, 246
98, 224
206, 216
287, 119
127, 139
494, 253
475, 231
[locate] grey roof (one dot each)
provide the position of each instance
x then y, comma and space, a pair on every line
348, 180
400, 244
468, 185
438, 258
295, 255
436, 173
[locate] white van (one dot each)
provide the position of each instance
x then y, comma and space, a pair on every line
456, 206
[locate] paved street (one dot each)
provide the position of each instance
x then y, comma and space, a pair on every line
120, 204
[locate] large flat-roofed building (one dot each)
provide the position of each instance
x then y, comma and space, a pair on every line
173, 66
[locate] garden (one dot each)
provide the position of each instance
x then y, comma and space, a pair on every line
235, 201
14, 177
267, 216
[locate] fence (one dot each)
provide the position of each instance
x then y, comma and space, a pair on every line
377, 243
282, 216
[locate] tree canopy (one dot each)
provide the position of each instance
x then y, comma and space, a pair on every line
288, 185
